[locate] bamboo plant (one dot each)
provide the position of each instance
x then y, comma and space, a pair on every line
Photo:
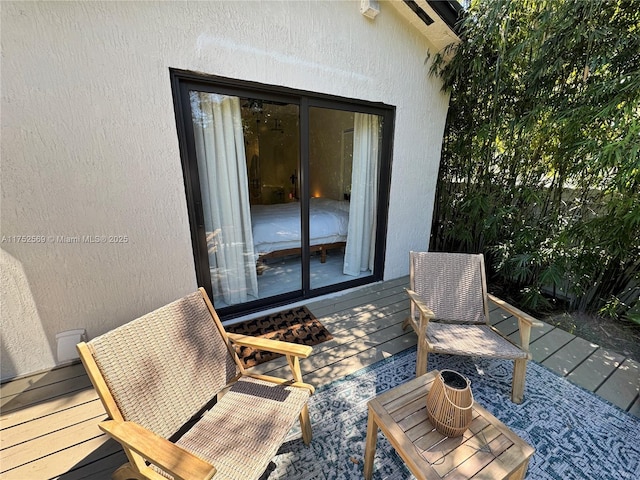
540, 165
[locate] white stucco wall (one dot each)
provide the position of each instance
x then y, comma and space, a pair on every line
89, 144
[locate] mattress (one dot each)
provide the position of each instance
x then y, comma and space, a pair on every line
277, 227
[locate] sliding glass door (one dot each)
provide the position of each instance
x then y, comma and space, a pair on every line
247, 154
286, 192
221, 159
273, 130
344, 160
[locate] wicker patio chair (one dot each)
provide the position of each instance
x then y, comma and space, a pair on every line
181, 404
450, 313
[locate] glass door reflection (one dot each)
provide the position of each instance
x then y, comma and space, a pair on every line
247, 153
344, 159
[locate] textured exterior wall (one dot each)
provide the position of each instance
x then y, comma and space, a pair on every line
89, 144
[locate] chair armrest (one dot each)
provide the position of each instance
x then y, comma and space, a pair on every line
525, 321
159, 451
519, 314
275, 346
424, 310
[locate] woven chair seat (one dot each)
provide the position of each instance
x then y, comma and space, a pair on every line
470, 340
244, 430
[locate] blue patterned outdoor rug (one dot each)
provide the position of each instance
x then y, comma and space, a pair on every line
576, 434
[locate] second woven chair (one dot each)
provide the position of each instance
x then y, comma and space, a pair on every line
450, 313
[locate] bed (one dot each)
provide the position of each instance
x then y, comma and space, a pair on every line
276, 228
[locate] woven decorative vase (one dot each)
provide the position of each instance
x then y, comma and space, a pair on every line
449, 403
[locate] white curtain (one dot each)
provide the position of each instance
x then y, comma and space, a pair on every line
222, 167
360, 249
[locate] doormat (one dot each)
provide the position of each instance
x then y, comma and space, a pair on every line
296, 325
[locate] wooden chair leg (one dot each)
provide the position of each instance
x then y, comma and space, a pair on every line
422, 359
405, 323
126, 472
305, 426
370, 446
519, 376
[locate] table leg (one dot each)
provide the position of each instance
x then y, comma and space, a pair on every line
520, 472
370, 446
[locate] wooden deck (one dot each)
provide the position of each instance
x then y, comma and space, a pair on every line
49, 421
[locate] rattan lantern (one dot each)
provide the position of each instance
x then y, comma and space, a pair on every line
449, 403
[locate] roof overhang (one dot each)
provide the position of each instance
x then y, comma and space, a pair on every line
435, 20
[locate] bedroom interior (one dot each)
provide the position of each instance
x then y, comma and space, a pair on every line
272, 146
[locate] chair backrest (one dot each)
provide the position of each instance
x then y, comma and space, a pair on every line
452, 285
164, 367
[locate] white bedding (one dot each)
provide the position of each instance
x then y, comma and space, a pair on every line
277, 227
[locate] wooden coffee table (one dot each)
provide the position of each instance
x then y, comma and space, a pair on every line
487, 450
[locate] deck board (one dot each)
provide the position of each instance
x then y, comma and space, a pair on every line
49, 420
58, 402
508, 326
71, 457
568, 358
50, 423
101, 468
549, 343
33, 396
46, 445
496, 314
33, 382
593, 372
623, 385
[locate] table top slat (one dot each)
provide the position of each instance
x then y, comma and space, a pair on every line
505, 464
419, 430
423, 444
480, 459
460, 454
464, 444
416, 418
411, 395
410, 408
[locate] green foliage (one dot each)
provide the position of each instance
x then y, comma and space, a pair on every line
540, 165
